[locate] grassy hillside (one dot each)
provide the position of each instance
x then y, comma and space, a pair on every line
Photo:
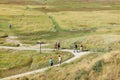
95, 66
95, 43
32, 23
24, 21
73, 20
93, 23
15, 62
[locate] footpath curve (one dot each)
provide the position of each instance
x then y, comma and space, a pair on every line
76, 55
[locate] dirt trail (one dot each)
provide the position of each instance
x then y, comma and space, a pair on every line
13, 39
76, 55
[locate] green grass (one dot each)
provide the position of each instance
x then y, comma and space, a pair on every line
31, 25
97, 67
56, 25
9, 44
22, 61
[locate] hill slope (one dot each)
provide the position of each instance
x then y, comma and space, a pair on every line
96, 66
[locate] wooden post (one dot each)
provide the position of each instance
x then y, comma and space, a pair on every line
39, 42
40, 48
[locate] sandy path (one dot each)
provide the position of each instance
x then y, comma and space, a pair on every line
76, 55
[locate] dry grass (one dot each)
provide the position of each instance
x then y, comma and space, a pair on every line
100, 42
86, 19
24, 19
82, 69
97, 43
16, 62
31, 24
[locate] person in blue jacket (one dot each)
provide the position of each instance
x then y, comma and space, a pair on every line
51, 62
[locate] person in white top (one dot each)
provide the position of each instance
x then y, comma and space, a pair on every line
59, 59
81, 47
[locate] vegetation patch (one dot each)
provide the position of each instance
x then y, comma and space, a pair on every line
14, 62
100, 43
97, 67
10, 44
56, 25
93, 23
105, 64
3, 35
80, 73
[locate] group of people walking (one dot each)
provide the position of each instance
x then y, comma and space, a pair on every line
76, 48
57, 46
52, 62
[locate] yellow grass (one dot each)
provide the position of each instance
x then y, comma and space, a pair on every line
15, 62
84, 19
82, 69
23, 18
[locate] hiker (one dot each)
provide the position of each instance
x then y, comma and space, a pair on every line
81, 47
58, 45
51, 62
10, 26
59, 59
75, 47
55, 46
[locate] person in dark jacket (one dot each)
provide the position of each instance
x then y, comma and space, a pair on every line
10, 26
75, 48
58, 45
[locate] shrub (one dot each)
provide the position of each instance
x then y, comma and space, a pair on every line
56, 52
81, 73
115, 45
11, 44
1, 40
77, 77
65, 64
97, 67
23, 78
3, 35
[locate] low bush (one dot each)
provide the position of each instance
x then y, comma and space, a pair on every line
1, 40
65, 64
23, 61
11, 44
3, 35
115, 45
81, 73
97, 67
